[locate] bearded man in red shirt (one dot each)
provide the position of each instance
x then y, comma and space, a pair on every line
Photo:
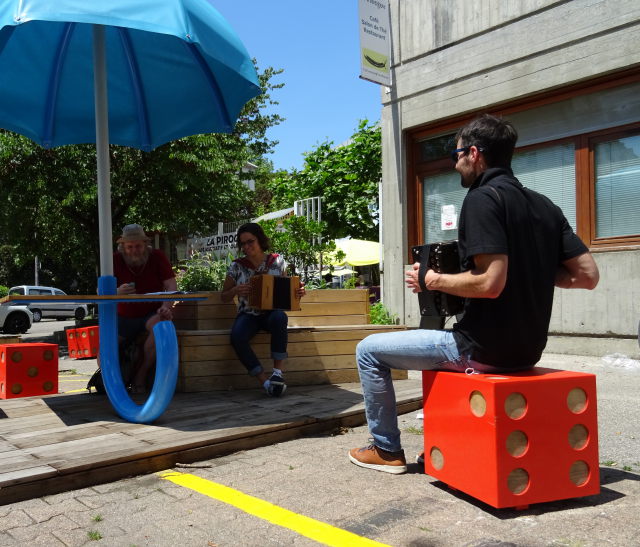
140, 269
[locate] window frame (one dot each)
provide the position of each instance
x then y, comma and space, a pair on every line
586, 155
584, 148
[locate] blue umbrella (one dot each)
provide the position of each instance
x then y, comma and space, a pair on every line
137, 73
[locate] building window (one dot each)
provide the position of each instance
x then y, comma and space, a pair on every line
617, 187
442, 198
594, 178
550, 171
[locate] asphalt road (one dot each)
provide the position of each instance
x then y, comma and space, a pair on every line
45, 328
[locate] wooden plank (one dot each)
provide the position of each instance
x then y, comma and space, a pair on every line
40, 423
6, 446
295, 334
23, 406
28, 474
13, 456
331, 308
213, 313
321, 295
205, 311
213, 383
58, 435
87, 448
233, 366
192, 336
263, 350
302, 321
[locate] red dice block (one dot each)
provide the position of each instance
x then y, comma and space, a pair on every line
88, 341
72, 343
28, 369
513, 440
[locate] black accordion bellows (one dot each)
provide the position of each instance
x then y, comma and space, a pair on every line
441, 257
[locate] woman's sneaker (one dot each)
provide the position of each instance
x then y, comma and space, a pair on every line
277, 387
373, 457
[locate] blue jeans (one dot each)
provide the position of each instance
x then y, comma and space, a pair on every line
246, 326
406, 350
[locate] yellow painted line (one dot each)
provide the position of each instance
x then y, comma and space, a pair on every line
308, 527
75, 390
64, 379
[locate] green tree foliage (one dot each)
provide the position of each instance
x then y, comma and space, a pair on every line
50, 197
300, 242
347, 178
203, 272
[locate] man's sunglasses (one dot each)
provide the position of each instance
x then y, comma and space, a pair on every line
464, 150
454, 154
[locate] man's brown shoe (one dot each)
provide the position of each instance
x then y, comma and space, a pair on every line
373, 457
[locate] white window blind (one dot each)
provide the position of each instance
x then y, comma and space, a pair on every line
617, 187
441, 190
550, 171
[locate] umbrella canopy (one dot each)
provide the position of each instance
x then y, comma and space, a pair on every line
358, 252
131, 72
174, 68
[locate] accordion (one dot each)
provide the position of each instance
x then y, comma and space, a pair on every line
441, 257
274, 292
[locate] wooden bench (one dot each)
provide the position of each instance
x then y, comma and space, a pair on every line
322, 339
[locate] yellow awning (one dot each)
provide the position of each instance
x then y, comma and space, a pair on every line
358, 252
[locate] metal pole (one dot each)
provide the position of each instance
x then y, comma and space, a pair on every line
102, 150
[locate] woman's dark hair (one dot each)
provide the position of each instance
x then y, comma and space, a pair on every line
496, 138
256, 230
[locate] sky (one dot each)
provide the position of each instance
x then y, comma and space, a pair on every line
317, 45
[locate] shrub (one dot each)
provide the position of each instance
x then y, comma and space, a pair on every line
203, 272
4, 291
380, 315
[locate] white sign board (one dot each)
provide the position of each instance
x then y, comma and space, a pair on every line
448, 219
375, 41
219, 244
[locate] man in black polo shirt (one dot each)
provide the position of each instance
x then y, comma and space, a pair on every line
515, 246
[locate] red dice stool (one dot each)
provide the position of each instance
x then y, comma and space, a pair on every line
28, 369
72, 343
88, 340
512, 440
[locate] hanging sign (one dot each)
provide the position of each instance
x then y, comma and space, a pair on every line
375, 41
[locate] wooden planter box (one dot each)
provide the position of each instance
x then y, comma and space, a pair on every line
319, 307
322, 340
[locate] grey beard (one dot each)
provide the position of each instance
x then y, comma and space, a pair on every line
135, 262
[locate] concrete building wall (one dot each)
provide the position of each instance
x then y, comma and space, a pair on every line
454, 57
488, 60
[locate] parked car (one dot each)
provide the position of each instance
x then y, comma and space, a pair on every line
59, 310
15, 319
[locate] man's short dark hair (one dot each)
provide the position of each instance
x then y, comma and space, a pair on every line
494, 136
255, 229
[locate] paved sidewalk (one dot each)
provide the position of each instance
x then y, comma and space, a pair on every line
313, 477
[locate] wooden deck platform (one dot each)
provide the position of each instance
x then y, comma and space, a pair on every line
62, 442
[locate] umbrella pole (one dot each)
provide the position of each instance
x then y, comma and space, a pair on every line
102, 150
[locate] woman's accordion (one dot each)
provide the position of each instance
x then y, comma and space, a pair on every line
441, 257
274, 292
